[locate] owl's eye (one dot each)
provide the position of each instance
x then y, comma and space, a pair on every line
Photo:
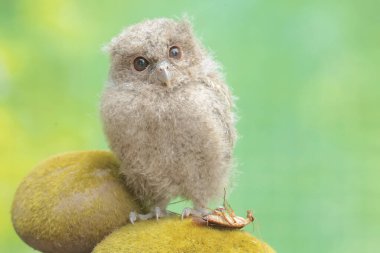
175, 52
140, 63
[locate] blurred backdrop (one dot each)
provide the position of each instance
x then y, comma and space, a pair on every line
306, 74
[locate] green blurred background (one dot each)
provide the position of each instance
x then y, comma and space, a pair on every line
306, 74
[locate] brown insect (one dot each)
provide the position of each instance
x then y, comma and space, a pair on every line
225, 218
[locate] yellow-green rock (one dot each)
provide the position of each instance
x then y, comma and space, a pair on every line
174, 235
70, 202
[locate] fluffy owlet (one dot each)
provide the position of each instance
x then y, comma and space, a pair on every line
167, 114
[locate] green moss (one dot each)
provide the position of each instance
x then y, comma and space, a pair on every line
69, 202
174, 235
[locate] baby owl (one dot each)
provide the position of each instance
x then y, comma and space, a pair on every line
167, 114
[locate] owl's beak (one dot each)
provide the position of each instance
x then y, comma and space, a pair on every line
163, 74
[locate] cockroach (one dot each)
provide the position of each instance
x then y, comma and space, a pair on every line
222, 219
225, 218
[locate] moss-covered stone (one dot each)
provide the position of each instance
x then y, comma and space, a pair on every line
174, 235
70, 202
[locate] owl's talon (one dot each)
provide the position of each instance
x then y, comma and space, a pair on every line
132, 217
194, 212
204, 211
186, 212
145, 216
158, 213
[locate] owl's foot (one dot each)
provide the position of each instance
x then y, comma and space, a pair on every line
155, 213
198, 212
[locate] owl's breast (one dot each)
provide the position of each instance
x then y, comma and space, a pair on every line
169, 135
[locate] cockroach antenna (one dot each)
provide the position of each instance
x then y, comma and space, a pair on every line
224, 199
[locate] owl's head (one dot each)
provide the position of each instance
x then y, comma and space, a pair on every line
159, 53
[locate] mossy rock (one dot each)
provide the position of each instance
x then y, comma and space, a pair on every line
174, 235
70, 202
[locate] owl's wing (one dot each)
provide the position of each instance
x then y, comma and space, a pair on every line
225, 112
